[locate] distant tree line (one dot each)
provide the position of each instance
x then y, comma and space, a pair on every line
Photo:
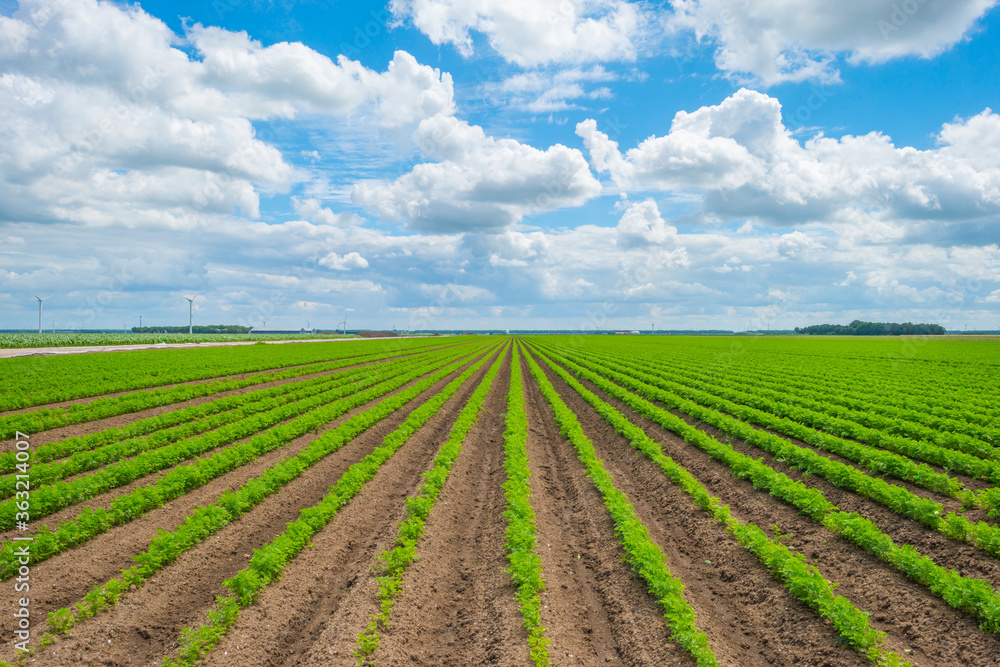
859, 328
207, 329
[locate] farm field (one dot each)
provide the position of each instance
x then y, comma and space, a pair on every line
44, 340
563, 500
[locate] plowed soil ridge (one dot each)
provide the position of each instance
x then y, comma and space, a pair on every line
145, 624
457, 605
751, 619
319, 605
920, 626
86, 428
595, 608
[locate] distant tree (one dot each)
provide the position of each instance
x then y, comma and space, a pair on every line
860, 328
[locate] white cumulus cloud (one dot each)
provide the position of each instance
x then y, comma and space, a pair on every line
479, 183
779, 41
105, 121
748, 164
533, 32
351, 260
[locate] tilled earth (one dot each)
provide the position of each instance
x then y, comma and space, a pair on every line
457, 603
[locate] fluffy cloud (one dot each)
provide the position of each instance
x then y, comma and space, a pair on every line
532, 32
479, 183
797, 40
103, 120
311, 209
351, 260
641, 226
749, 165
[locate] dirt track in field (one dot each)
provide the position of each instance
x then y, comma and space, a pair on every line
457, 603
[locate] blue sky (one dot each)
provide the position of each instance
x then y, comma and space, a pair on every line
500, 164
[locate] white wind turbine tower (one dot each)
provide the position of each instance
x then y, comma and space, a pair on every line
190, 300
40, 299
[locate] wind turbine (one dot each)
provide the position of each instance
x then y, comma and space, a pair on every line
344, 323
190, 300
40, 299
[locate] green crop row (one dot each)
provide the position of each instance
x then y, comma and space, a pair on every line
945, 456
967, 593
901, 380
865, 426
25, 340
392, 564
888, 397
643, 553
83, 461
39, 380
525, 565
802, 580
267, 563
965, 435
206, 521
43, 419
876, 460
90, 522
983, 535
54, 497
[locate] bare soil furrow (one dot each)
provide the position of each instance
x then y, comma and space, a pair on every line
144, 626
595, 609
104, 500
117, 421
65, 578
750, 619
326, 593
919, 625
964, 558
457, 605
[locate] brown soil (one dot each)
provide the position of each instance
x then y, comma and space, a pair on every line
747, 615
104, 500
595, 609
457, 604
326, 595
238, 376
913, 618
144, 626
86, 428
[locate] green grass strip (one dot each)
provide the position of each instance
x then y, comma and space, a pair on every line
165, 548
392, 564
802, 580
968, 594
268, 562
91, 522
522, 545
644, 554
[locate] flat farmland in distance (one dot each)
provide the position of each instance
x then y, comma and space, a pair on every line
491, 500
